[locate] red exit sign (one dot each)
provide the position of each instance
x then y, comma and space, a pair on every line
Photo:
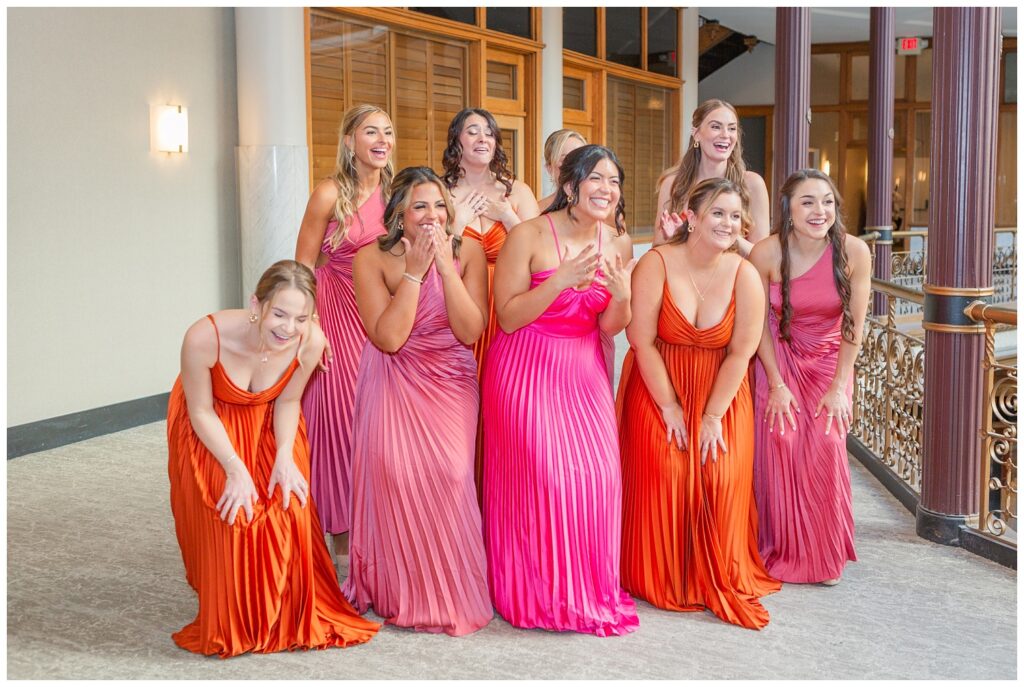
910, 45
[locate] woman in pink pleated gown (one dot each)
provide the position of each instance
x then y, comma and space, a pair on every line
344, 214
552, 485
417, 554
818, 280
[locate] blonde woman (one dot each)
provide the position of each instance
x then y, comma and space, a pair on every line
558, 145
715, 150
344, 214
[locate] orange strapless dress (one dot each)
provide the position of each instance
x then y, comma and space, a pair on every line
263, 586
689, 533
492, 241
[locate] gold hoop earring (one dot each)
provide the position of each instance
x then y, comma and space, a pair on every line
401, 225
253, 317
696, 143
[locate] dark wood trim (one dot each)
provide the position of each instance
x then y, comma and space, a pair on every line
989, 547
893, 484
67, 429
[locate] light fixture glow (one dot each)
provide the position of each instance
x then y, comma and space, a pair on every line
168, 128
826, 167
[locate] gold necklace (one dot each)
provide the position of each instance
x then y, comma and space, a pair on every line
700, 293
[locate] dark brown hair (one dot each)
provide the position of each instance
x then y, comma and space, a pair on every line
452, 160
576, 167
401, 197
836, 237
702, 195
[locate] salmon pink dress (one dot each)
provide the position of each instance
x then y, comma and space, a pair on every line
328, 398
552, 485
263, 586
802, 478
689, 533
417, 552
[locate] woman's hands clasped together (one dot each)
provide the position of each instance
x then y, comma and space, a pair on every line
419, 254
444, 252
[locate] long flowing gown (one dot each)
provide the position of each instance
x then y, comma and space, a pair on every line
327, 402
802, 478
263, 586
689, 533
417, 553
552, 485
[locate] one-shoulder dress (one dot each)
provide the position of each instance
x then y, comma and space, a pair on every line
327, 402
552, 484
266, 585
417, 553
802, 477
689, 533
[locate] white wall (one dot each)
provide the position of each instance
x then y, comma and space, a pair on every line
747, 80
114, 250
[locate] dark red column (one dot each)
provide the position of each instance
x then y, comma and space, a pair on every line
881, 98
792, 129
965, 90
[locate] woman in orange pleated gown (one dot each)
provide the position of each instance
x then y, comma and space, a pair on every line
689, 535
250, 538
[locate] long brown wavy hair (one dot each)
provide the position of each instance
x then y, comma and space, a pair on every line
576, 167
836, 237
705, 193
401, 198
689, 165
452, 159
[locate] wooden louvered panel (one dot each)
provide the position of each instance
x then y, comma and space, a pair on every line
327, 80
412, 104
501, 80
448, 95
573, 93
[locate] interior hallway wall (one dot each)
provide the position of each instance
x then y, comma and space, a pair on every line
747, 80
114, 250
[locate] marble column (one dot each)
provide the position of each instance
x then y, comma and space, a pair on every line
272, 155
551, 83
792, 129
881, 95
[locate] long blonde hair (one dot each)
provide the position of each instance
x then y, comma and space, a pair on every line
689, 165
554, 143
346, 177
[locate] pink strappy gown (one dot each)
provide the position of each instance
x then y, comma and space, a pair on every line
417, 551
552, 481
327, 401
802, 478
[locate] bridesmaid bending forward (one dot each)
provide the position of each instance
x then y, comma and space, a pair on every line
552, 489
239, 465
417, 549
689, 535
818, 281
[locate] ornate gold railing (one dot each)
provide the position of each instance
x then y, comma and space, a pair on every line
888, 392
997, 512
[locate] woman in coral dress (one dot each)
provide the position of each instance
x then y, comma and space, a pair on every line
344, 214
818, 281
689, 533
239, 464
417, 547
552, 490
488, 201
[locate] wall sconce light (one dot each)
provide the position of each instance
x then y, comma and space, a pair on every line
826, 167
168, 128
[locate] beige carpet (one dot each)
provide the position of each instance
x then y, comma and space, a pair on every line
96, 587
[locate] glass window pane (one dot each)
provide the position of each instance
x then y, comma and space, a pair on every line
824, 143
859, 77
662, 33
1010, 78
501, 80
1006, 171
622, 35
858, 127
754, 130
513, 20
901, 77
465, 15
922, 162
579, 30
855, 188
825, 79
574, 93
924, 77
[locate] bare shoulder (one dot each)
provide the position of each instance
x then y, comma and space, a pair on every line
747, 273
326, 191
856, 246
530, 230
369, 256
201, 341
471, 250
651, 264
666, 182
521, 191
313, 349
754, 183
765, 253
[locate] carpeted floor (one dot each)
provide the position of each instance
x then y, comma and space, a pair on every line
96, 587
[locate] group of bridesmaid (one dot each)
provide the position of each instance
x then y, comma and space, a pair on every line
429, 384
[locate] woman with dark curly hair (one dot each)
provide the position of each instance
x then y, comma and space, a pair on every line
817, 279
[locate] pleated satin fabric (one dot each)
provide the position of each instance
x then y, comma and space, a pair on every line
417, 554
802, 478
689, 533
492, 240
552, 485
327, 401
263, 586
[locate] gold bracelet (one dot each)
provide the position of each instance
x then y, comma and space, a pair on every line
778, 386
714, 417
411, 278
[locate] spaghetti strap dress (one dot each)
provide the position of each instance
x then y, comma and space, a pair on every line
327, 402
266, 585
802, 478
417, 552
552, 485
689, 533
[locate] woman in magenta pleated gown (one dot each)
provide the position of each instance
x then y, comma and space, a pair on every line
417, 553
818, 281
552, 485
344, 214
